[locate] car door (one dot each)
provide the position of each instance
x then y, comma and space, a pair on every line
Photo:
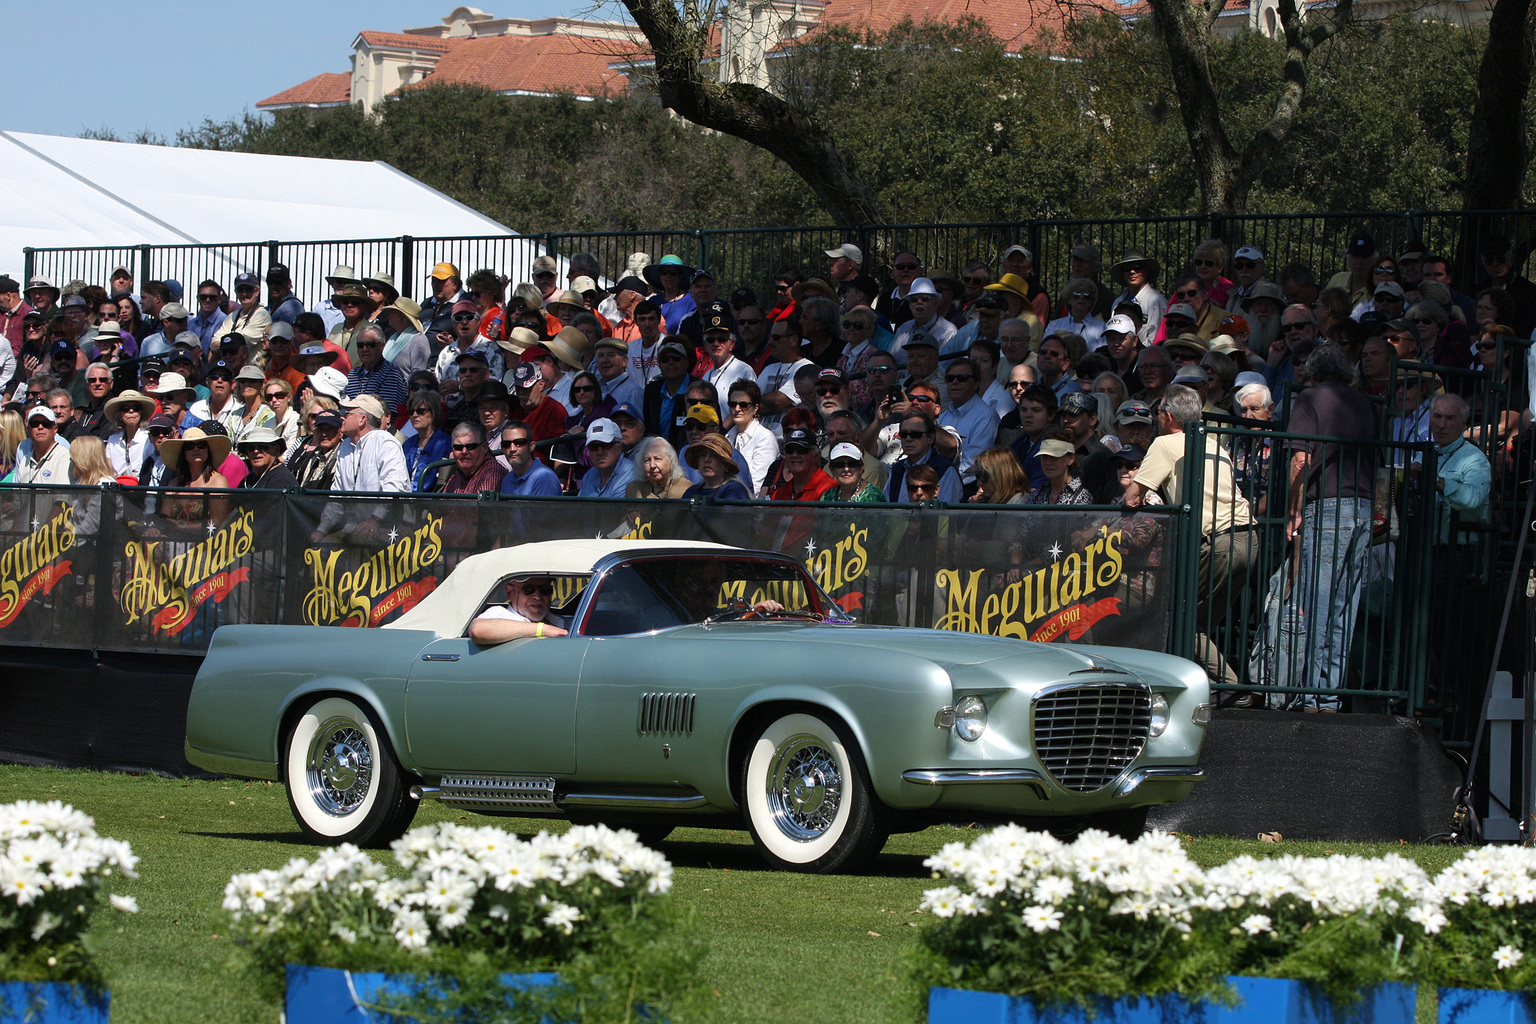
507, 709
650, 714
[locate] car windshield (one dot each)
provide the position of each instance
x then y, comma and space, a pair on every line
650, 594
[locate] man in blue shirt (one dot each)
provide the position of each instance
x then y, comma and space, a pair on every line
610, 472
210, 316
527, 475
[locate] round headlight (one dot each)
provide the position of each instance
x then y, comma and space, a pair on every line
1159, 716
970, 718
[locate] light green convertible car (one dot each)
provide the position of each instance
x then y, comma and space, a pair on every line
699, 685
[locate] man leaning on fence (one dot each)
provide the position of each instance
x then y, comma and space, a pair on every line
1460, 630
369, 460
1329, 521
1226, 524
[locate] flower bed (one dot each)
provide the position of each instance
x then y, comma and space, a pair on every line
1026, 915
470, 905
53, 870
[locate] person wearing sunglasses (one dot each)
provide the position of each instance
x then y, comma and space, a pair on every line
526, 475
1248, 269
250, 320
526, 614
209, 315
464, 341
1209, 263
917, 433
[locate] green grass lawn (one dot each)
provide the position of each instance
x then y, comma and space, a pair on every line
783, 947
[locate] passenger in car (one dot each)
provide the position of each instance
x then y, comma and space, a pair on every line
526, 613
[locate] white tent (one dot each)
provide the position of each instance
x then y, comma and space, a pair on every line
59, 192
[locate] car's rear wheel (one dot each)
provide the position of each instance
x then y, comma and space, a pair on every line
344, 784
807, 797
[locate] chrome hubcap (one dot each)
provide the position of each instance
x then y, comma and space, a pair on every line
805, 788
339, 767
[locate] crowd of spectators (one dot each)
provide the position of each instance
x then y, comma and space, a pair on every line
982, 385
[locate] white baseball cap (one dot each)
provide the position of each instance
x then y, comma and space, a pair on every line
845, 450
603, 430
1120, 324
1249, 252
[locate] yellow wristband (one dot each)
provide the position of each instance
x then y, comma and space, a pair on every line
538, 630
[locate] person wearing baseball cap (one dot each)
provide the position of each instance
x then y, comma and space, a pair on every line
610, 472
282, 305
42, 458
250, 319
13, 311
664, 403
445, 288
369, 460
802, 477
845, 465
847, 263
1248, 274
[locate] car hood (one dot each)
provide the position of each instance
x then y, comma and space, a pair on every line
942, 647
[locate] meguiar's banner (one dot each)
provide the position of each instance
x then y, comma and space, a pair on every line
130, 569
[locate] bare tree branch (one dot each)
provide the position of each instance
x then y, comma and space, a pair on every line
680, 42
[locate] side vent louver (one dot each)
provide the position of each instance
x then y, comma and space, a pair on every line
666, 713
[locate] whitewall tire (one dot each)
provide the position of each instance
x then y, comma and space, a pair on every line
806, 795
343, 782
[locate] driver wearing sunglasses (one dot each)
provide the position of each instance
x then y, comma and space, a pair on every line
526, 614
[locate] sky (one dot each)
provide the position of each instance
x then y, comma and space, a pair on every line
163, 65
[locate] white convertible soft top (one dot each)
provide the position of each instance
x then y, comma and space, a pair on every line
447, 609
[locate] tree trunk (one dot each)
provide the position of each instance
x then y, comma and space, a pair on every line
748, 113
1186, 36
1497, 147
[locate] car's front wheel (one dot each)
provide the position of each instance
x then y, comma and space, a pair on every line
807, 797
343, 782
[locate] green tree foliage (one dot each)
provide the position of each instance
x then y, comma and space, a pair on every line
942, 123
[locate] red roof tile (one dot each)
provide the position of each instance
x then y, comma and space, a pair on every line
535, 64
1018, 23
324, 89
407, 41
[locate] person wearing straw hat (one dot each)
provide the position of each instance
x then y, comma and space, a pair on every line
712, 458
42, 295
127, 446
262, 449
409, 348
381, 289
355, 305
193, 460
563, 357
282, 304
1136, 273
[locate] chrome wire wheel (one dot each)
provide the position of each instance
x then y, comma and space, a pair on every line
344, 783
339, 767
806, 795
805, 788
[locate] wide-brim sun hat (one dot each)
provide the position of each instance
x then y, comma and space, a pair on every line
652, 272
569, 348
408, 308
146, 404
717, 444
1131, 256
218, 447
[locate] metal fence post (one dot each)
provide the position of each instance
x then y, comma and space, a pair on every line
407, 264
701, 248
274, 252
26, 265
144, 252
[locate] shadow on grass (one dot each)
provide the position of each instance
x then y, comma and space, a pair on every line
737, 857
289, 838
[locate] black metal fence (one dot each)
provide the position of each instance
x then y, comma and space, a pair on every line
753, 256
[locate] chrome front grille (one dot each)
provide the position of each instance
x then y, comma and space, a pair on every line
666, 713
1086, 735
